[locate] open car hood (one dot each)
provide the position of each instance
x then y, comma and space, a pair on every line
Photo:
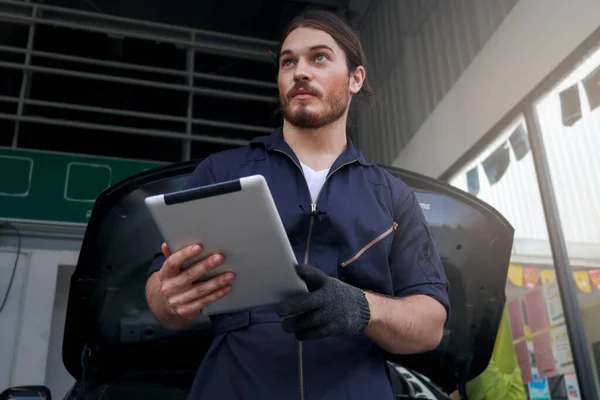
109, 327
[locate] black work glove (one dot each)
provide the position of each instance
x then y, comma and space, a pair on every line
330, 308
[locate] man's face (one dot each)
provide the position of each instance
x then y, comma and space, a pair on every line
314, 86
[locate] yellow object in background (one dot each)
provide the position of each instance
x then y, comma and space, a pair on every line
582, 279
548, 275
515, 275
502, 377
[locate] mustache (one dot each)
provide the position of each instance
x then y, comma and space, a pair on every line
306, 89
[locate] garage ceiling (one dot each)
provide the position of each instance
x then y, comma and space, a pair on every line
133, 90
257, 18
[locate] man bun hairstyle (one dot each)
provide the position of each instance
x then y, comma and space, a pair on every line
339, 30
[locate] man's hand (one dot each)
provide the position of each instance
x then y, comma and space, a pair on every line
184, 299
331, 308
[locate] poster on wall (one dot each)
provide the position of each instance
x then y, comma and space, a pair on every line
553, 304
544, 355
539, 389
560, 338
535, 306
539, 334
524, 361
572, 386
515, 316
517, 323
562, 350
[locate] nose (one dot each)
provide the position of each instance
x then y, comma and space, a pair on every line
302, 71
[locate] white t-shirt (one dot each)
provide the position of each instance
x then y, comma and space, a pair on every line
315, 180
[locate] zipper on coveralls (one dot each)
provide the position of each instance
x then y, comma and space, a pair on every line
313, 209
371, 244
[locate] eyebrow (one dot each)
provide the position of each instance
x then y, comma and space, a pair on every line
313, 48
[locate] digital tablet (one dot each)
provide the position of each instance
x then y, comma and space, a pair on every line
238, 219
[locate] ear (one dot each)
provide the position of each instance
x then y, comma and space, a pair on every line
356, 79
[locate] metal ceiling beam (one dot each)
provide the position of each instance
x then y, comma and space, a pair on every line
140, 68
204, 41
123, 129
138, 114
225, 94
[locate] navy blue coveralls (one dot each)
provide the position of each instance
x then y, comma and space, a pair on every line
366, 228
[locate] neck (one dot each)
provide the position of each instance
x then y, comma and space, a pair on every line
317, 148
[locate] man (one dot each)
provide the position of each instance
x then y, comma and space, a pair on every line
375, 278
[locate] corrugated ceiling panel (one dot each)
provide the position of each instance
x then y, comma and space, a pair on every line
416, 51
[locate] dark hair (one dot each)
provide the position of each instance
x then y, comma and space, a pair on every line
339, 30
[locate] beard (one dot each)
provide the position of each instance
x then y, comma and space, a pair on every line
314, 113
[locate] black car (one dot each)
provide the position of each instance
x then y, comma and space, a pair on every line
115, 349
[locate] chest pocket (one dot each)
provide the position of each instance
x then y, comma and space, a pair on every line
367, 267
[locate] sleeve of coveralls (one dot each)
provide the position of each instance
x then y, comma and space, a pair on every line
202, 175
416, 266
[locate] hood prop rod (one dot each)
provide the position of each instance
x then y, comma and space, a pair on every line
85, 354
462, 381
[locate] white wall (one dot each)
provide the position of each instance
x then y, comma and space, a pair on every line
9, 317
531, 42
416, 50
26, 322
